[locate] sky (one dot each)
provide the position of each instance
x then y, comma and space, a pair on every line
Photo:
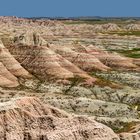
70, 8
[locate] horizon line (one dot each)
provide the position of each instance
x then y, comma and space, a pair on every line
69, 17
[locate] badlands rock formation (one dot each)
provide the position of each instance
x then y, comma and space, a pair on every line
111, 59
133, 134
10, 68
83, 60
7, 79
84, 69
42, 61
133, 27
27, 118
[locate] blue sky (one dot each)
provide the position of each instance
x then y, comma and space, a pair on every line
69, 8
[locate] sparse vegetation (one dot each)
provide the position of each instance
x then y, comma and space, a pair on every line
134, 53
98, 21
124, 33
106, 82
44, 60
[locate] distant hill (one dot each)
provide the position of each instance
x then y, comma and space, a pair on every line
87, 18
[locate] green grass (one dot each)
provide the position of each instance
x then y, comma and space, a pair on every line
86, 22
119, 22
127, 127
133, 53
102, 82
123, 33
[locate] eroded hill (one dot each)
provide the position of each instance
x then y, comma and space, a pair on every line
90, 70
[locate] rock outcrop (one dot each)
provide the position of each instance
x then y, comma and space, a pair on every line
29, 39
42, 61
79, 68
132, 27
133, 134
111, 27
27, 118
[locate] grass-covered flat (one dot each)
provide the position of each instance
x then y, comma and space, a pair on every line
133, 53
123, 33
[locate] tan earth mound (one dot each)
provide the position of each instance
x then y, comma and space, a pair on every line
84, 61
116, 61
41, 60
11, 63
10, 69
110, 59
132, 27
7, 79
27, 118
22, 21
84, 28
4, 82
111, 27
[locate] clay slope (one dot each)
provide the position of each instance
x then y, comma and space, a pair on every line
84, 61
84, 28
42, 61
112, 60
10, 69
132, 27
7, 79
27, 118
11, 63
53, 62
111, 27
